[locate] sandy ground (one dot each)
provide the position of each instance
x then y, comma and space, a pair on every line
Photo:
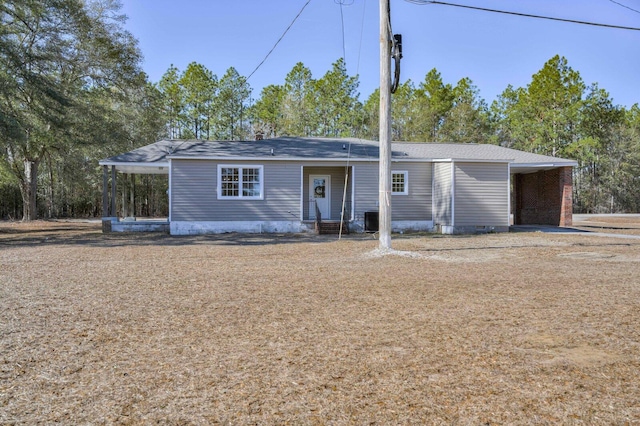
522, 328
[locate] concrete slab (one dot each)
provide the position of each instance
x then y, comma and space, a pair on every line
568, 231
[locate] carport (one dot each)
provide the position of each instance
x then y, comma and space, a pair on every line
542, 194
150, 160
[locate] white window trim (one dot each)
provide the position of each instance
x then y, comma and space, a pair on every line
406, 182
240, 167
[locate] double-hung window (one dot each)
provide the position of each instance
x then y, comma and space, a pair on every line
399, 183
240, 182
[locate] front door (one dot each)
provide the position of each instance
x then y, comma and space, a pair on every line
320, 195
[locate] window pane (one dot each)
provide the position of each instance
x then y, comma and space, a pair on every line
250, 182
397, 182
250, 190
230, 174
229, 189
230, 181
251, 175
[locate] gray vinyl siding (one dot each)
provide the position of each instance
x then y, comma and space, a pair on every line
194, 193
442, 193
366, 187
193, 189
417, 205
481, 194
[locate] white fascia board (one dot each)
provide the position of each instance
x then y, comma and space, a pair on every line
412, 160
545, 165
268, 159
315, 160
476, 160
338, 159
469, 160
133, 164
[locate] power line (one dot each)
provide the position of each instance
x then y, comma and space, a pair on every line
625, 6
526, 15
364, 9
344, 50
280, 39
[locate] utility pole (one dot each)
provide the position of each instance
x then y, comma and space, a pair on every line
384, 202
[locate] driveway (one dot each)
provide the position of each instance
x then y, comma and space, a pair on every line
599, 225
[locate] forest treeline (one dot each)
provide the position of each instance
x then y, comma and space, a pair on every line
72, 92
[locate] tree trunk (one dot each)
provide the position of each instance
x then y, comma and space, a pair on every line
29, 189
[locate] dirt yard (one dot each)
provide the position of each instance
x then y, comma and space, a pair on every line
520, 328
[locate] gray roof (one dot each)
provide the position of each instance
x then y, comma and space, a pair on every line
154, 158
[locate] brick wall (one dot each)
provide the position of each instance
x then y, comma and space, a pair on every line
544, 198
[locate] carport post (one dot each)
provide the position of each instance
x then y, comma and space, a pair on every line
113, 192
132, 196
105, 191
125, 188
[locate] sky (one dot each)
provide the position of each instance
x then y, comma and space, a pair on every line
493, 50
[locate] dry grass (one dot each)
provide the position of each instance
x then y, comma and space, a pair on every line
524, 328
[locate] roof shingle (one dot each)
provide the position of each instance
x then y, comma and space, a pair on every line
328, 149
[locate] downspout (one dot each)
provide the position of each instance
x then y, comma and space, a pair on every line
301, 194
353, 193
508, 194
453, 194
169, 190
433, 197
344, 200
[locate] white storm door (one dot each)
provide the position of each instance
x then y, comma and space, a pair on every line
320, 195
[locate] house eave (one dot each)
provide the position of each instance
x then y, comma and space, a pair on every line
301, 159
470, 160
336, 159
536, 167
149, 168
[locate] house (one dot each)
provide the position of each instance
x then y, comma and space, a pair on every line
288, 184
